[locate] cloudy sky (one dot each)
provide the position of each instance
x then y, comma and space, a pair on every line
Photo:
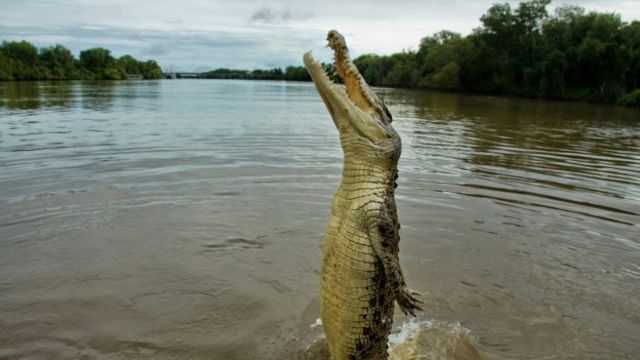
197, 35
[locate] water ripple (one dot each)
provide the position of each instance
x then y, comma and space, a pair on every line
169, 211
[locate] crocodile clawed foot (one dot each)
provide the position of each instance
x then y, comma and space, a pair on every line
408, 301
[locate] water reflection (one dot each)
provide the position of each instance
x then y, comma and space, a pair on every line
97, 96
91, 95
20, 95
62, 94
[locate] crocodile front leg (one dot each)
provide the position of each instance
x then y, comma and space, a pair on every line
383, 233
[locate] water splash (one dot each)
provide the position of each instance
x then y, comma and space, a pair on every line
413, 340
432, 340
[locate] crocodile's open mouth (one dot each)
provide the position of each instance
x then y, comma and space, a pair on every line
354, 94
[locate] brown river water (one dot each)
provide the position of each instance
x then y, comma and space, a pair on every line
183, 219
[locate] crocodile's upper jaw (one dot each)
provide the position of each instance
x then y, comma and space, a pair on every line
352, 106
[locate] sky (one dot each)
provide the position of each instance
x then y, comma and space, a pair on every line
200, 35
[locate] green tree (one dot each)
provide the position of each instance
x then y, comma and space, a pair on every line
6, 68
631, 37
23, 59
372, 67
296, 73
59, 61
399, 75
22, 51
101, 64
441, 55
403, 71
96, 59
130, 65
150, 70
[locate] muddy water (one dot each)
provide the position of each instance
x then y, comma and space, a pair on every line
183, 219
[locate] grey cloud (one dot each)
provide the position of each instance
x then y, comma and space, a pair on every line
268, 15
143, 36
264, 14
156, 49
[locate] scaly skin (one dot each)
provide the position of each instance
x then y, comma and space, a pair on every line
361, 276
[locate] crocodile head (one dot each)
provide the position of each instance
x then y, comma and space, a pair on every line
360, 116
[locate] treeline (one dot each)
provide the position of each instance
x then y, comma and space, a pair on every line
21, 60
570, 54
291, 73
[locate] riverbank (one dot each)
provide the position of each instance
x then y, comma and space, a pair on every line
21, 60
631, 99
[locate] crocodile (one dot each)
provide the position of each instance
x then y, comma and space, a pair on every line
361, 275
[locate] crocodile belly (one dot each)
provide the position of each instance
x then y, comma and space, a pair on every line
356, 303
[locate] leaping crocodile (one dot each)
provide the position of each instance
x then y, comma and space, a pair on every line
361, 276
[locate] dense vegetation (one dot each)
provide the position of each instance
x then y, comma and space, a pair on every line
20, 60
291, 73
570, 54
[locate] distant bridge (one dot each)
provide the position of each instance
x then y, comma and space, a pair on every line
182, 75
